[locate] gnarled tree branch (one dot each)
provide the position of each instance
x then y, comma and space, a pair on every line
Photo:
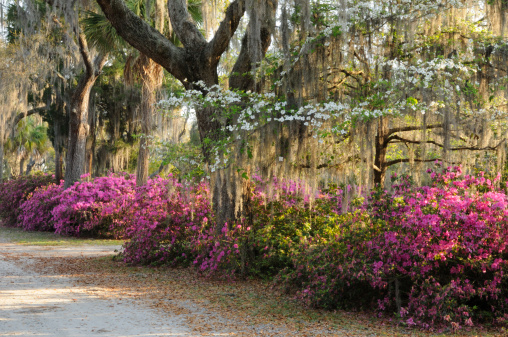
184, 28
413, 128
226, 30
461, 148
144, 38
38, 110
407, 160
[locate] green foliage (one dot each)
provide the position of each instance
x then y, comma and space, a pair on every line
100, 33
29, 138
184, 160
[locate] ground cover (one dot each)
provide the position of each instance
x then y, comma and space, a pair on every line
244, 307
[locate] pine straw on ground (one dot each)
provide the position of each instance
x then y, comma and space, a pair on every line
244, 308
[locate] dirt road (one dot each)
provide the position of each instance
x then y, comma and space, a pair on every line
33, 304
70, 291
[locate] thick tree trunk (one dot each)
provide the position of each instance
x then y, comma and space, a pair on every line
78, 131
229, 193
21, 165
380, 166
148, 99
1, 156
78, 116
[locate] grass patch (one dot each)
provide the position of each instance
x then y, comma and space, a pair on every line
22, 237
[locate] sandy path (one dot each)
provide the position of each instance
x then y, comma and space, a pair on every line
64, 291
33, 304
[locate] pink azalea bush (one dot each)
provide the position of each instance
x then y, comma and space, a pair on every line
220, 250
162, 219
14, 192
436, 255
92, 207
35, 212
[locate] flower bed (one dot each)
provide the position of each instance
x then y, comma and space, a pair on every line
436, 255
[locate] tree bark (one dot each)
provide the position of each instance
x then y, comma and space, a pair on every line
78, 132
150, 77
21, 165
380, 167
78, 117
198, 59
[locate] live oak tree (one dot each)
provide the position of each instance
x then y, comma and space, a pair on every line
197, 61
60, 20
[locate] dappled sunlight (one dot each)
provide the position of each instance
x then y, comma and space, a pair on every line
57, 251
52, 304
258, 168
21, 292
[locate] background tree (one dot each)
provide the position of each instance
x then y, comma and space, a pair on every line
141, 68
36, 19
30, 141
352, 90
23, 68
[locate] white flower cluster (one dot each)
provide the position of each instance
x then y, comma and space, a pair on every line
247, 112
426, 72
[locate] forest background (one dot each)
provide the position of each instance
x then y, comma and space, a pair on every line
279, 123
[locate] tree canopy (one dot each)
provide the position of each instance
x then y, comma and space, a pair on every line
327, 91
